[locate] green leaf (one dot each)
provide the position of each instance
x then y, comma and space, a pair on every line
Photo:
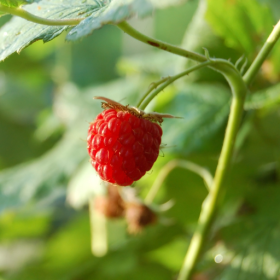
20, 33
204, 109
275, 7
252, 21
44, 178
200, 35
264, 99
255, 241
152, 64
15, 3
115, 12
14, 226
84, 184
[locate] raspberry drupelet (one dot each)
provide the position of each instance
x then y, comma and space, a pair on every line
123, 146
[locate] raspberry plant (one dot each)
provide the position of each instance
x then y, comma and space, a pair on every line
124, 141
123, 145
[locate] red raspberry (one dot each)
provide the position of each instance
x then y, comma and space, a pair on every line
122, 146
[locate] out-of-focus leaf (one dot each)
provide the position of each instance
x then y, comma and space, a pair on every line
15, 3
175, 18
42, 177
264, 99
252, 21
115, 12
125, 257
155, 64
20, 33
204, 109
21, 252
255, 239
274, 6
83, 185
14, 226
199, 35
176, 248
23, 96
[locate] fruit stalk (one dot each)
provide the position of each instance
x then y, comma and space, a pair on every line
149, 96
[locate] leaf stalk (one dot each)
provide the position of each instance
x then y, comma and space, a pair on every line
36, 19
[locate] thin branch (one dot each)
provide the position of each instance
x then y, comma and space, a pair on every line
144, 102
262, 55
202, 172
159, 44
152, 86
36, 19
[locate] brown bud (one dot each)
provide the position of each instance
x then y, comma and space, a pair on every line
111, 205
138, 216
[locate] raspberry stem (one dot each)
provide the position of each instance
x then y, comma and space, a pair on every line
152, 87
150, 95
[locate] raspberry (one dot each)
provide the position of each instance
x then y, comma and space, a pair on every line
123, 145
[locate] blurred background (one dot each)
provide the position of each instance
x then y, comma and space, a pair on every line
46, 178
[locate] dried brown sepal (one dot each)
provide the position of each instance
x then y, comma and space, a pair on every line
138, 216
112, 205
111, 104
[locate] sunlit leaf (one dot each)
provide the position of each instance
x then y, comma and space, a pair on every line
266, 98
15, 3
203, 109
252, 21
20, 33
115, 12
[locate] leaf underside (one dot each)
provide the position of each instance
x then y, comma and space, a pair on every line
15, 3
20, 33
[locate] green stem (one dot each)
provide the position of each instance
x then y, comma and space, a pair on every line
210, 203
159, 44
239, 90
264, 52
30, 17
152, 86
202, 172
148, 97
220, 65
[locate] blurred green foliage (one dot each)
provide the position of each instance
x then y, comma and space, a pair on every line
45, 108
